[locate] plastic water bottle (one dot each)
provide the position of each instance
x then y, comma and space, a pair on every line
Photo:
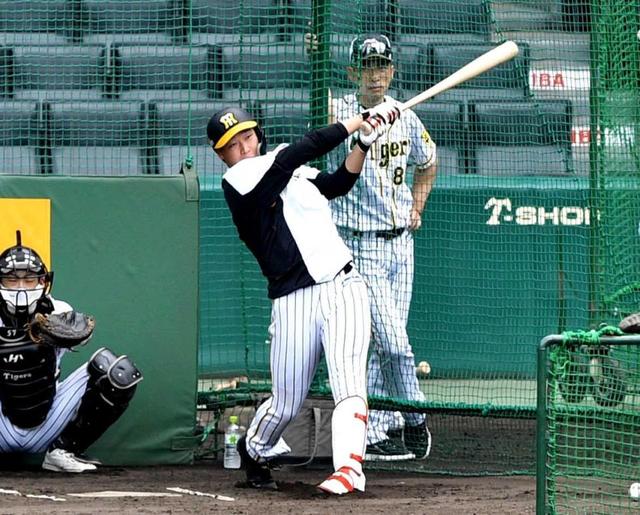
231, 437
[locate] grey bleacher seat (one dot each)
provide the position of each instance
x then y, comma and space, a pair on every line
541, 15
445, 122
70, 72
132, 21
461, 94
269, 67
338, 60
576, 15
410, 72
234, 95
246, 17
172, 123
285, 122
165, 71
32, 38
234, 38
520, 138
443, 60
463, 17
556, 48
37, 21
345, 17
22, 131
430, 39
109, 137
579, 99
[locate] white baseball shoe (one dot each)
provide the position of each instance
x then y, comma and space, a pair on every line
343, 481
59, 460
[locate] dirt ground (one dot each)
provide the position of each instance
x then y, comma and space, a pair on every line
387, 492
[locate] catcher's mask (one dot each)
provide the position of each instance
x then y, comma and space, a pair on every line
18, 263
228, 122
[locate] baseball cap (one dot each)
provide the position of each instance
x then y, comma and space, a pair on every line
226, 123
370, 46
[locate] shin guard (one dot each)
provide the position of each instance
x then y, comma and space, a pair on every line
348, 438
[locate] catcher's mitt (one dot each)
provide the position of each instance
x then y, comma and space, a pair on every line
67, 329
631, 324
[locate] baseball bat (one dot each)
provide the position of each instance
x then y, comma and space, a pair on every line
491, 59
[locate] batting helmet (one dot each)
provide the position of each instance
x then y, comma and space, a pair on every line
370, 48
23, 259
228, 122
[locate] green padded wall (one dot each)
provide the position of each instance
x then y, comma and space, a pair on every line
125, 249
541, 288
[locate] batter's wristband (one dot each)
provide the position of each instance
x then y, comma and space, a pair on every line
363, 147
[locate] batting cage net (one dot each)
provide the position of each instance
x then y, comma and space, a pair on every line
531, 227
588, 422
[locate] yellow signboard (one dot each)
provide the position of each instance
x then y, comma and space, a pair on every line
30, 216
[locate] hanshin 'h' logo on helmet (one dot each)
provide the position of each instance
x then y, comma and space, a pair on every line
228, 120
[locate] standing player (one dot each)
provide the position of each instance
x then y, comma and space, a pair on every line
377, 220
37, 413
281, 210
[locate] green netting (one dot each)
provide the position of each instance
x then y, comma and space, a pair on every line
590, 417
532, 225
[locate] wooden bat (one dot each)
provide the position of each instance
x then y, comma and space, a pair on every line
491, 59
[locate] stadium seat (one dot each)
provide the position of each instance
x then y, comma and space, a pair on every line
165, 71
445, 123
422, 66
234, 95
440, 61
70, 72
463, 17
22, 133
269, 67
37, 21
235, 39
172, 122
285, 122
346, 18
132, 21
100, 138
520, 138
464, 95
410, 73
246, 17
540, 16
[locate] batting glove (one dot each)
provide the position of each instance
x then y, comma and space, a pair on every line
376, 127
389, 110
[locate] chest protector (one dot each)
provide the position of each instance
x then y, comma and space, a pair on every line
28, 375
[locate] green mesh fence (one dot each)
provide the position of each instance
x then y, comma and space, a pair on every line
531, 227
589, 422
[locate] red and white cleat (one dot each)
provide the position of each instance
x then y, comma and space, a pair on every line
343, 481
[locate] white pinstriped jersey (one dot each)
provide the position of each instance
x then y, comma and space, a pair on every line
381, 199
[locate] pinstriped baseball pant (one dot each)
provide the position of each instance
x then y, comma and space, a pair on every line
387, 268
333, 316
37, 439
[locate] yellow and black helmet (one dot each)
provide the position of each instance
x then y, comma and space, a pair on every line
228, 122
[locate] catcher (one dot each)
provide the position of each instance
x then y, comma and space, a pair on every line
37, 412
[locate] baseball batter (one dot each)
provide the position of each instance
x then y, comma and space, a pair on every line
377, 219
281, 210
38, 413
